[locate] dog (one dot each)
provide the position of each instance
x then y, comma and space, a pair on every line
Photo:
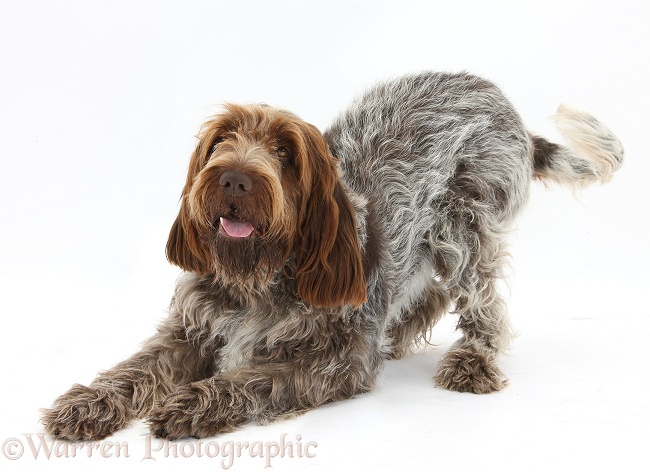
309, 259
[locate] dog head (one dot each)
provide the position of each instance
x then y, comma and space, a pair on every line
262, 190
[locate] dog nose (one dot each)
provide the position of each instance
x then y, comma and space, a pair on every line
235, 183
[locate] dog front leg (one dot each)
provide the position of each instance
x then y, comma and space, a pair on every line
262, 394
130, 389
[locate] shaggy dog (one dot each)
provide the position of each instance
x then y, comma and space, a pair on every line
311, 258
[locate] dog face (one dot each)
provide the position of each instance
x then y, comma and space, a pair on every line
263, 195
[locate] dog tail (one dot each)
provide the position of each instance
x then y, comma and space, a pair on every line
593, 153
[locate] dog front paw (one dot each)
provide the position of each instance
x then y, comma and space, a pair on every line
466, 369
85, 413
197, 410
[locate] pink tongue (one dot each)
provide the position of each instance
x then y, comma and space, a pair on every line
236, 229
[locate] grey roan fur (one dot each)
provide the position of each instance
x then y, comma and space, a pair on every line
360, 240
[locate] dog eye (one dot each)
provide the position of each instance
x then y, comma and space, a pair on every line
283, 153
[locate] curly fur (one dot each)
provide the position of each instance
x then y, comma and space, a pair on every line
310, 258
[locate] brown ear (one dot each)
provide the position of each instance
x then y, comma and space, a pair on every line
183, 245
328, 255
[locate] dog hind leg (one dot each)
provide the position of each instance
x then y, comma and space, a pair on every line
470, 365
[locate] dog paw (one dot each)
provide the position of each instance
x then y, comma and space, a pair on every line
196, 410
87, 414
466, 369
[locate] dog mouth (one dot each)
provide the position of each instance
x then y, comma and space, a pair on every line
235, 228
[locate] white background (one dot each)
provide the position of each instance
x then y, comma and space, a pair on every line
99, 105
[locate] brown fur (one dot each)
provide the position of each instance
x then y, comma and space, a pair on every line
304, 210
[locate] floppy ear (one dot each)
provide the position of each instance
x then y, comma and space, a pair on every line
328, 255
183, 245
